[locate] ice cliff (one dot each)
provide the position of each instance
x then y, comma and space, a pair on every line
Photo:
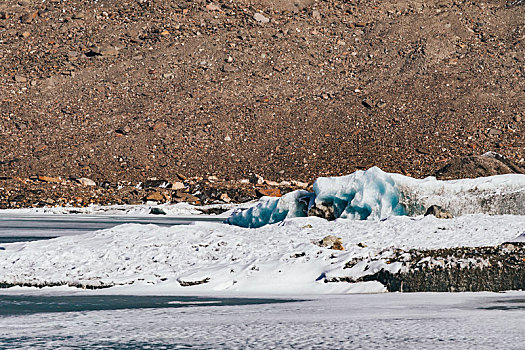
374, 195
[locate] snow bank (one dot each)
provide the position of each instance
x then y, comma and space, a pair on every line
213, 258
374, 194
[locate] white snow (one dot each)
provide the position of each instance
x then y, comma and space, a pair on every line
374, 194
176, 209
282, 258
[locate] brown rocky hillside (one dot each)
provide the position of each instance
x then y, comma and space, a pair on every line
288, 89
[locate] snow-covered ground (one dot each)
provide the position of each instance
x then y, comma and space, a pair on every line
282, 258
387, 321
274, 260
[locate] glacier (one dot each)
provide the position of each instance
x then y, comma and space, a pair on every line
376, 195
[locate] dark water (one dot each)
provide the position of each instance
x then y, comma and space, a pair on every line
507, 304
23, 239
29, 304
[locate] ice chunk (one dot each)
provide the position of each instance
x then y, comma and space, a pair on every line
374, 194
494, 195
270, 210
370, 194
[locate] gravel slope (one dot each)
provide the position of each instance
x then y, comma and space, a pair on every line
126, 90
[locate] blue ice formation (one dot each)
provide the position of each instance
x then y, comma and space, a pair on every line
271, 210
362, 195
370, 194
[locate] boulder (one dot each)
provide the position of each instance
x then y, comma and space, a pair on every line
488, 164
105, 51
155, 196
259, 17
186, 197
225, 198
269, 192
20, 79
84, 181
332, 242
44, 178
271, 183
322, 210
153, 183
157, 211
438, 212
29, 17
178, 186
212, 7
300, 184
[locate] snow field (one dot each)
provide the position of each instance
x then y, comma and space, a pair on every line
275, 259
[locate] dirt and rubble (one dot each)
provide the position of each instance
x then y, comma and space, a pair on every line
48, 191
125, 91
44, 191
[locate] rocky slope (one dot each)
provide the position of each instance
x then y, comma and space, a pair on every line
289, 89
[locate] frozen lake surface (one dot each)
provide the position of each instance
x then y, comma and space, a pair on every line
380, 321
35, 304
19, 227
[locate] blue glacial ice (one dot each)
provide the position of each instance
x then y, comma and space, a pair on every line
375, 195
270, 210
370, 194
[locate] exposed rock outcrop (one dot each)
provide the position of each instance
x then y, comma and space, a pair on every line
332, 242
460, 269
488, 164
322, 210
